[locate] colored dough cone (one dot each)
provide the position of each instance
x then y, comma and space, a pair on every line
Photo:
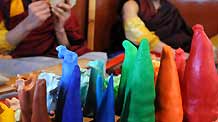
180, 64
200, 91
70, 60
72, 111
168, 95
99, 90
105, 112
39, 108
26, 88
97, 68
130, 54
140, 93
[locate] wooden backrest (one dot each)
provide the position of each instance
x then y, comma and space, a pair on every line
81, 12
104, 18
203, 12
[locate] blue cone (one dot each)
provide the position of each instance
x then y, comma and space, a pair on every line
70, 60
99, 90
106, 113
97, 68
72, 111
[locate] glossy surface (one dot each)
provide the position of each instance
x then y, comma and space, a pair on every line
200, 93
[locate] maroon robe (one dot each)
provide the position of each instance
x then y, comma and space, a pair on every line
166, 22
42, 41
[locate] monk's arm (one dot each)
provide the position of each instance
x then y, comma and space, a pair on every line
38, 12
62, 37
15, 35
130, 17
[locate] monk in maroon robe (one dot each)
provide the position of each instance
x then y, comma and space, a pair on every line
160, 17
40, 39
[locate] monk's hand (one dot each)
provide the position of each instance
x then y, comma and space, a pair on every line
62, 12
38, 13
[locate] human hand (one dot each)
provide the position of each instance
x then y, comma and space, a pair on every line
62, 12
38, 13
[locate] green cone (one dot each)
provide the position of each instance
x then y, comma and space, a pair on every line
130, 55
140, 92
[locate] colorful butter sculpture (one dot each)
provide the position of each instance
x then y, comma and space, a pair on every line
97, 68
6, 114
84, 84
200, 91
180, 64
72, 111
116, 83
26, 88
168, 96
105, 111
70, 60
52, 83
39, 109
140, 93
130, 54
99, 90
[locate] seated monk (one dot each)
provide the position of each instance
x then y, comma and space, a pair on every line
156, 20
35, 28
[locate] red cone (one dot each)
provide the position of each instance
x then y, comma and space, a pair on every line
200, 91
180, 64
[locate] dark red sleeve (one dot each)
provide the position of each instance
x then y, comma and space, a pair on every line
1, 15
73, 30
77, 41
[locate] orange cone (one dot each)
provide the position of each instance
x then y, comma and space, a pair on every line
168, 99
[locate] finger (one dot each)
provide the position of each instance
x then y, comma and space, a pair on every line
56, 13
44, 15
38, 3
41, 6
65, 7
46, 11
59, 10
